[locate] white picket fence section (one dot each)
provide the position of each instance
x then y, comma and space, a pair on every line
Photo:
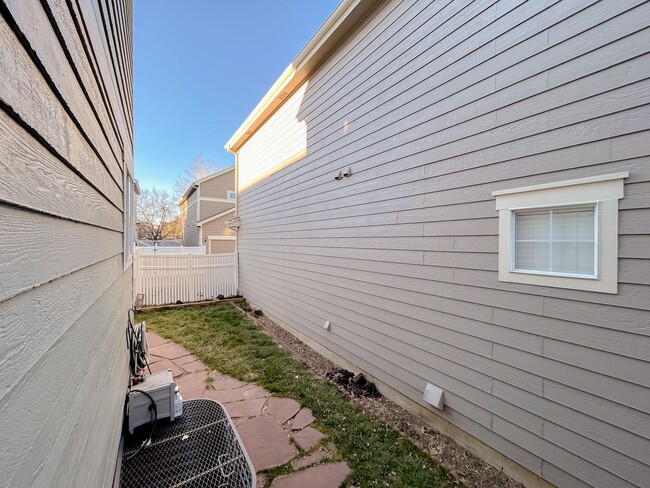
166, 278
169, 250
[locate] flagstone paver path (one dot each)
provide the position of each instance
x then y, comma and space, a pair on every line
270, 427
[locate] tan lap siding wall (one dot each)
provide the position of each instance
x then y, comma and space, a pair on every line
217, 227
210, 208
65, 144
435, 106
190, 230
218, 186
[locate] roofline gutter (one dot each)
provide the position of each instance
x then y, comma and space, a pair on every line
338, 25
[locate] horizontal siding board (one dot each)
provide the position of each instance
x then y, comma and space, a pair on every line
560, 477
634, 246
92, 25
635, 472
584, 470
616, 341
35, 25
39, 108
623, 319
92, 41
96, 16
629, 295
30, 238
46, 312
627, 394
629, 419
615, 366
76, 48
47, 410
209, 209
36, 179
609, 436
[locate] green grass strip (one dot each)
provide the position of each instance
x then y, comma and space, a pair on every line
226, 341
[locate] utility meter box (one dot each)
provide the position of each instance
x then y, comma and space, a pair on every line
162, 389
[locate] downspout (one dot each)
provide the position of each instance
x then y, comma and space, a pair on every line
236, 216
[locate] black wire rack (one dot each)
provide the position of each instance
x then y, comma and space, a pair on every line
199, 449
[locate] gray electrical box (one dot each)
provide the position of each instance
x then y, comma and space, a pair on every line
161, 387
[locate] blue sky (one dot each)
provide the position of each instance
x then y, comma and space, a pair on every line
201, 66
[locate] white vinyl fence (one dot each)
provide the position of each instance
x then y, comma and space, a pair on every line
169, 250
167, 278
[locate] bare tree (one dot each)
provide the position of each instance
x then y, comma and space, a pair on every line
174, 229
156, 210
200, 168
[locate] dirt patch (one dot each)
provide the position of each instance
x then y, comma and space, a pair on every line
466, 467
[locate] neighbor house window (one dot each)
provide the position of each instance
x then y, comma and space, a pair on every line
562, 234
232, 195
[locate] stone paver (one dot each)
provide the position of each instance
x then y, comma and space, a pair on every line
314, 458
186, 359
226, 384
248, 392
266, 442
154, 340
192, 385
282, 409
303, 419
259, 418
164, 365
194, 367
170, 350
246, 408
322, 476
307, 438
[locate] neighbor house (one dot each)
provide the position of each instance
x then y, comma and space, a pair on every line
206, 206
67, 208
462, 190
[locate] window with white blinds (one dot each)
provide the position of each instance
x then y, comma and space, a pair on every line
558, 240
561, 234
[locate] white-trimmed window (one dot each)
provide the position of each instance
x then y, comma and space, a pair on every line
131, 191
232, 195
562, 234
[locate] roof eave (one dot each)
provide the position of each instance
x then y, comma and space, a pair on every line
338, 25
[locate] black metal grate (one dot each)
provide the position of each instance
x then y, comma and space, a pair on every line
200, 449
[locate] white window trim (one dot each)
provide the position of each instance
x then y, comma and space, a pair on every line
129, 210
603, 191
213, 199
228, 195
218, 238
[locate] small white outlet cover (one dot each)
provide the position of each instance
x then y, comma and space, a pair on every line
434, 396
327, 325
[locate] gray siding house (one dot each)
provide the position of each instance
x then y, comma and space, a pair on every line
463, 190
67, 231
205, 207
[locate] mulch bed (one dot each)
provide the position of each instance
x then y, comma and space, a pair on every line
465, 466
